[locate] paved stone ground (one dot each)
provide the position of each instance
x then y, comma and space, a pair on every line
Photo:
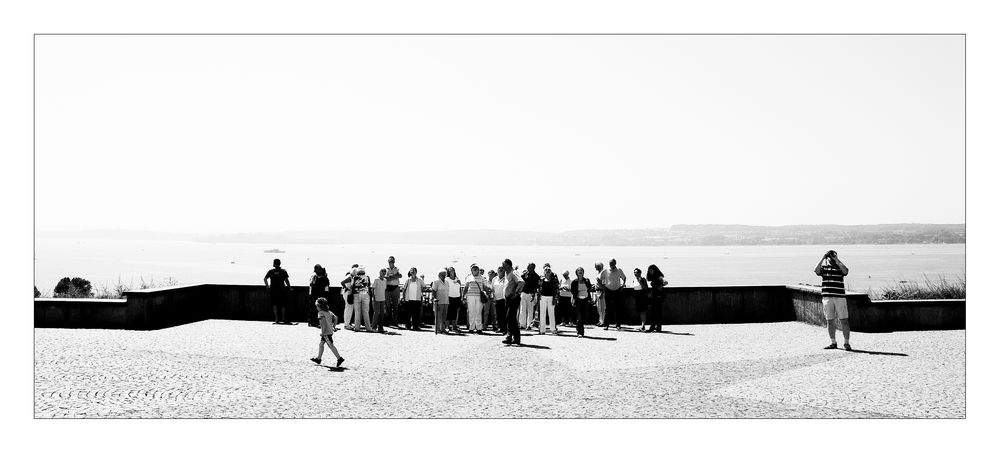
229, 369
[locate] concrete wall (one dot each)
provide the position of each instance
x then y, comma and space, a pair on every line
881, 316
90, 313
165, 307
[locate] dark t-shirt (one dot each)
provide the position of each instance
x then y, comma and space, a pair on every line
277, 277
531, 281
319, 284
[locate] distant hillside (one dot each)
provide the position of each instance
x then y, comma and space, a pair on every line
904, 233
675, 235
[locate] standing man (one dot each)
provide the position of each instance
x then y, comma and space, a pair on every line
834, 298
529, 297
612, 280
599, 295
392, 277
512, 291
276, 280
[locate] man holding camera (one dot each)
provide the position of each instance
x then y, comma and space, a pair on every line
832, 270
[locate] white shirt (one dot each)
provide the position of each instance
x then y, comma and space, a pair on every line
415, 289
454, 287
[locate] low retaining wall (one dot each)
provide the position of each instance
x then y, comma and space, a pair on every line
881, 316
165, 307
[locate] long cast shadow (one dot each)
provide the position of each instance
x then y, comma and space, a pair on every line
336, 369
573, 336
675, 333
531, 346
900, 354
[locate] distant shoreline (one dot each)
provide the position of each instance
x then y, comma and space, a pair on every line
677, 235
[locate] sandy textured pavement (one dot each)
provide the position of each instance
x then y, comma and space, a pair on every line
230, 369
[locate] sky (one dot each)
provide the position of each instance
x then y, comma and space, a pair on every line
226, 134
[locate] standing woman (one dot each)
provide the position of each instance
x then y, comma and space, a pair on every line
581, 289
499, 283
319, 286
474, 292
548, 290
564, 310
640, 292
656, 295
454, 298
413, 292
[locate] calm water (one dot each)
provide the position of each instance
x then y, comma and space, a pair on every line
105, 261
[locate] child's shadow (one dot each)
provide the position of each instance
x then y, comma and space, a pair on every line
338, 369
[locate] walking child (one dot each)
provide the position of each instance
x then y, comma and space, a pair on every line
327, 323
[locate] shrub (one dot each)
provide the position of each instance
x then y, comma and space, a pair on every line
75, 287
118, 290
942, 288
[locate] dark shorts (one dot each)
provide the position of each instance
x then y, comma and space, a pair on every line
453, 305
279, 298
326, 337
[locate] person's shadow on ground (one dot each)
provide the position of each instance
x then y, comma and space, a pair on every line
530, 346
336, 369
585, 337
674, 333
862, 351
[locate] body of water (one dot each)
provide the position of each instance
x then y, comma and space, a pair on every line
104, 262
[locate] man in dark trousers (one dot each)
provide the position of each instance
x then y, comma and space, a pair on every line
512, 296
276, 280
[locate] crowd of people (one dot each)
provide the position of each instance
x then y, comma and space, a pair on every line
504, 300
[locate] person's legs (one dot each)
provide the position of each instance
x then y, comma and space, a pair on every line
549, 317
416, 309
581, 316
333, 349
475, 314
454, 305
378, 308
501, 315
611, 308
840, 304
364, 305
275, 308
522, 313
392, 306
322, 341
601, 309
654, 312
348, 313
830, 312
533, 310
513, 329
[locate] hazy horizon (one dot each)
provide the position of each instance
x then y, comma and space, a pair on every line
194, 232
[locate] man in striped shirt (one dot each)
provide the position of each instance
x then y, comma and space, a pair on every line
834, 298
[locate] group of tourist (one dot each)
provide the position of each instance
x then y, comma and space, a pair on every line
506, 300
